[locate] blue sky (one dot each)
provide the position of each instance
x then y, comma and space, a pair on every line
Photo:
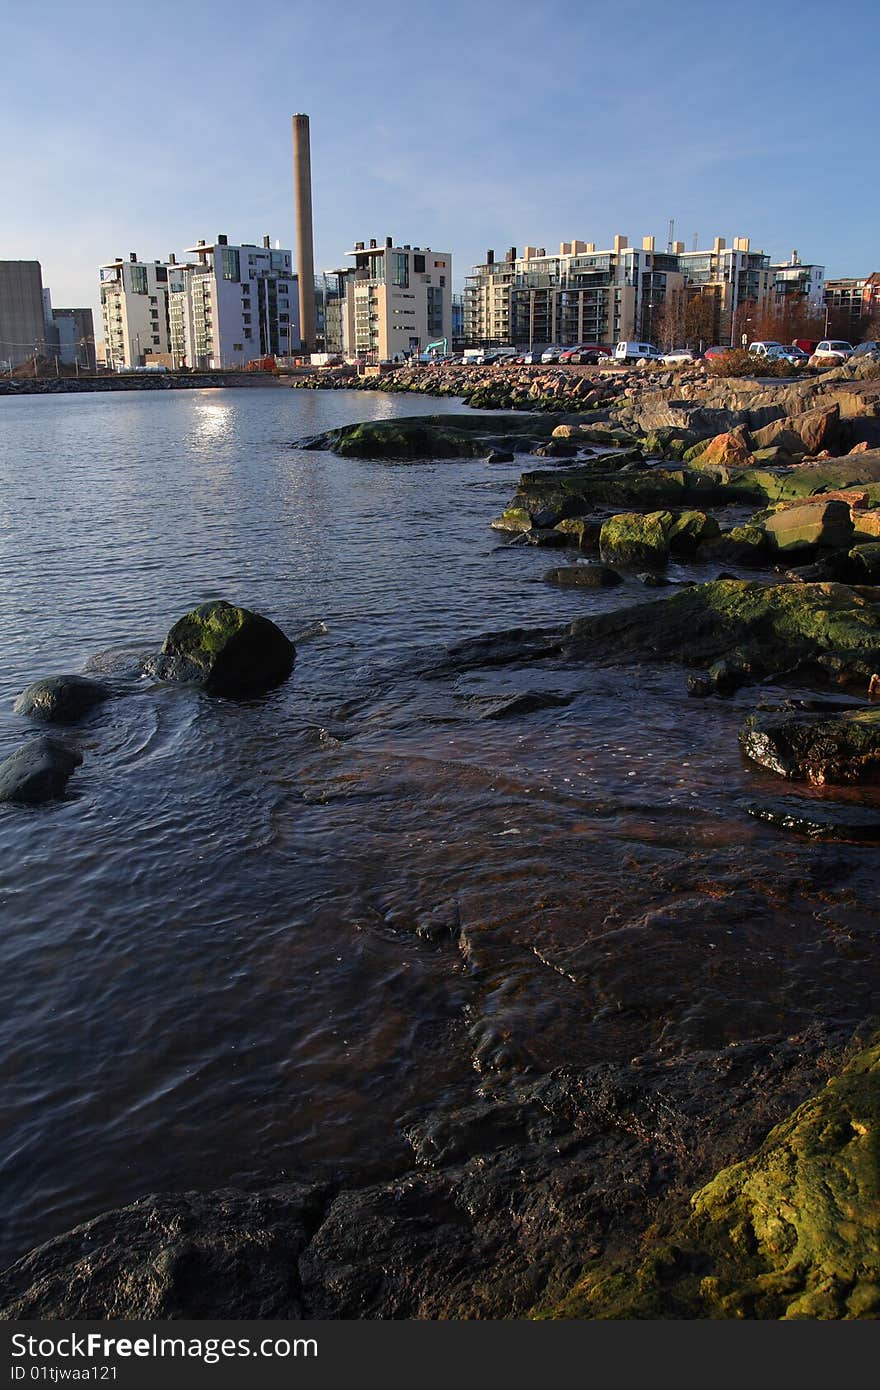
460, 126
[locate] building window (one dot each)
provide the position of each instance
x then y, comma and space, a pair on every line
230, 263
419, 265
400, 270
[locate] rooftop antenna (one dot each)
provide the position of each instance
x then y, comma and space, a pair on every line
671, 239
696, 241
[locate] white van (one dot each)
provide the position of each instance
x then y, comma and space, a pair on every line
765, 349
634, 352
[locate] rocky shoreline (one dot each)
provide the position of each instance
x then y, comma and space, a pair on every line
146, 381
735, 1179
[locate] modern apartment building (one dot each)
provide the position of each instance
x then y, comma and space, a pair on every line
22, 321
232, 305
134, 308
804, 284
583, 294
398, 300
852, 302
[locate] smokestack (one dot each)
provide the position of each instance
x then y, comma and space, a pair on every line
267, 243
305, 252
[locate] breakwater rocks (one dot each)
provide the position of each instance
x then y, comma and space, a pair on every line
140, 381
503, 386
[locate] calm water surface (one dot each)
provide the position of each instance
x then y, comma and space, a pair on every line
214, 965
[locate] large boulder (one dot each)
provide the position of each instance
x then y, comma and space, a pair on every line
39, 771
811, 524
730, 449
631, 538
225, 649
840, 747
61, 699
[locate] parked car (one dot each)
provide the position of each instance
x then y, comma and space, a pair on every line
716, 351
807, 345
680, 357
533, 359
551, 354
636, 352
832, 350
795, 355
590, 354
869, 349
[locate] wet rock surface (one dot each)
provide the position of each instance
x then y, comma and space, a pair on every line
61, 699
39, 771
790, 1232
838, 748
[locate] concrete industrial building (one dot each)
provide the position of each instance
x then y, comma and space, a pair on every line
70, 335
585, 295
232, 305
398, 300
134, 308
22, 321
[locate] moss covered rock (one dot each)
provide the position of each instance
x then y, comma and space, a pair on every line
631, 538
827, 630
790, 1233
225, 649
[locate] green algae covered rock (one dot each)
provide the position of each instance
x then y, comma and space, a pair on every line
631, 538
790, 1233
828, 629
225, 649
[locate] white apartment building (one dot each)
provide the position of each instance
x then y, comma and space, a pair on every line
232, 305
134, 308
795, 281
398, 300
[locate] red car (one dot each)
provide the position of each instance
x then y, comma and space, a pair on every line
716, 352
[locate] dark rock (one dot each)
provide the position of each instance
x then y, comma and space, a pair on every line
525, 702
61, 699
499, 456
840, 748
548, 537
39, 771
822, 820
700, 687
513, 647
225, 649
584, 576
652, 580
225, 1254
